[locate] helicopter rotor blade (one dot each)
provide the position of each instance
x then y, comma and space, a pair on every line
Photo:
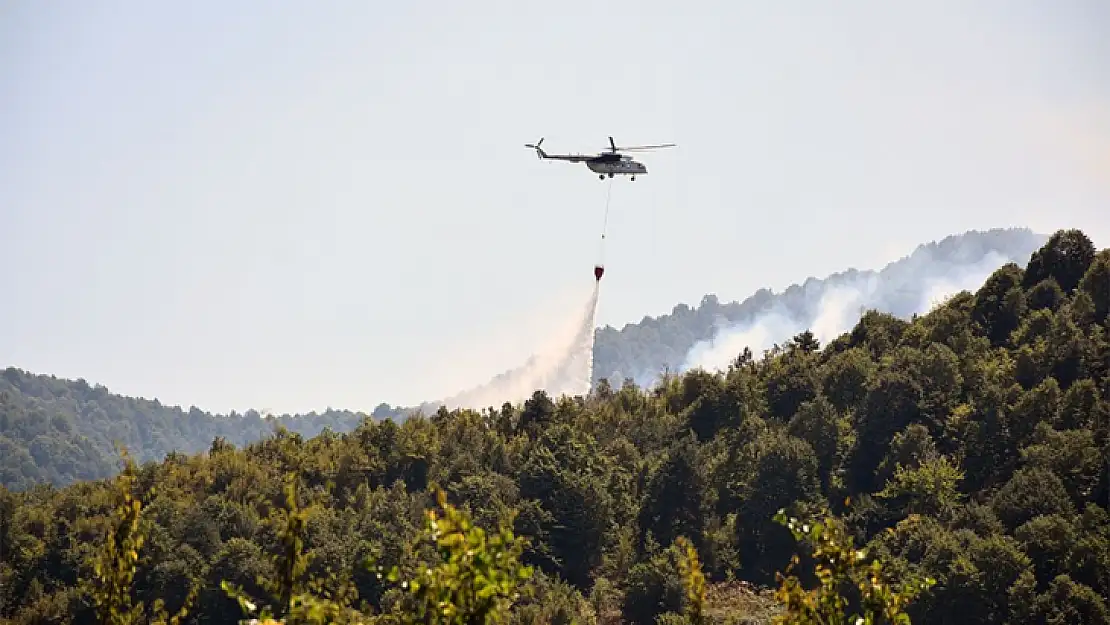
634, 148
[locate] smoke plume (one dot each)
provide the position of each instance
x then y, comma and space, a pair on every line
563, 366
714, 334
828, 310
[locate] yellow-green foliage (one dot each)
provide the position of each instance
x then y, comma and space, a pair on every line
693, 580
840, 566
476, 578
110, 587
299, 601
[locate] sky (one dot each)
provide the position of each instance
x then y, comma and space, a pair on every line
290, 205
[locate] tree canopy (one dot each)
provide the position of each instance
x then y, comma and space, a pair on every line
968, 447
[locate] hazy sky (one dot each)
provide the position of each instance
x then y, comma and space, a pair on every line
290, 205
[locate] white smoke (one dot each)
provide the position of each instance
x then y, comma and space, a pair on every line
914, 285
937, 289
563, 366
837, 309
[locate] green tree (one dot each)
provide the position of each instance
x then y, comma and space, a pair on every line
1000, 303
1065, 257
1046, 295
930, 488
845, 377
563, 474
1096, 284
677, 498
818, 424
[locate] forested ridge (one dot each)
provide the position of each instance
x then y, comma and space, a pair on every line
643, 350
59, 431
969, 446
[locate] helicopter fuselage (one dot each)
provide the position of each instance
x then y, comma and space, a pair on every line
609, 166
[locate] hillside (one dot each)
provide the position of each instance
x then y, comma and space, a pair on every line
57, 431
969, 444
713, 333
642, 351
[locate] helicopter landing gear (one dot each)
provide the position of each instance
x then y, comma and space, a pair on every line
610, 174
633, 178
601, 176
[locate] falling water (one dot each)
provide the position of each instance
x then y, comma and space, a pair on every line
565, 367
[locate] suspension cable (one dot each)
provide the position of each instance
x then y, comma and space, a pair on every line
605, 224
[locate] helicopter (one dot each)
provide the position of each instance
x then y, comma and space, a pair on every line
608, 163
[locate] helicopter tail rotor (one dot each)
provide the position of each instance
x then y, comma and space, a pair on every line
536, 146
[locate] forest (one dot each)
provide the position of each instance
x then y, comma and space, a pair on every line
60, 431
643, 350
951, 467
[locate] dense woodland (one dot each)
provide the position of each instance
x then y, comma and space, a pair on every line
968, 445
643, 350
58, 431
655, 345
